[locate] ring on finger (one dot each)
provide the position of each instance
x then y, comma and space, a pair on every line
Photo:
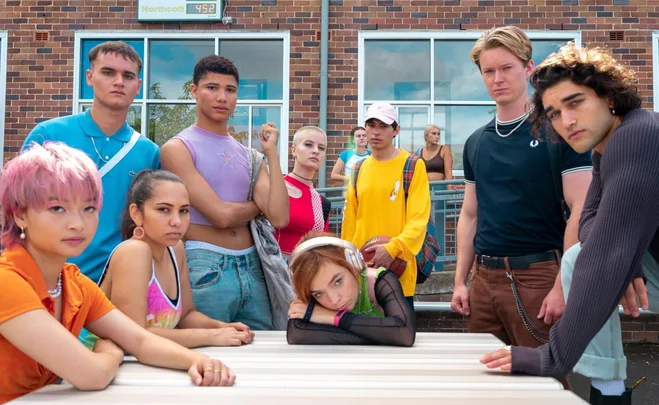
208, 368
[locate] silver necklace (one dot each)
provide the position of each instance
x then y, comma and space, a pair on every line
57, 291
520, 120
96, 150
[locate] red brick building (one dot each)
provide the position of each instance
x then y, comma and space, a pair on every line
413, 53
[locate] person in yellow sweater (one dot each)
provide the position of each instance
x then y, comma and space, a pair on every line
379, 207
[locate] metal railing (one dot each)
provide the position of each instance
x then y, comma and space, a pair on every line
445, 207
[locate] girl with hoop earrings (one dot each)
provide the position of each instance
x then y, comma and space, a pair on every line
342, 301
146, 276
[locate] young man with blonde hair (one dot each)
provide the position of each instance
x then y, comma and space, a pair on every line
511, 229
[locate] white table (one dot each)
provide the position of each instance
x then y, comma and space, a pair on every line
263, 396
270, 371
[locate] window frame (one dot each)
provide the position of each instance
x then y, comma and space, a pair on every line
433, 36
3, 87
655, 70
147, 36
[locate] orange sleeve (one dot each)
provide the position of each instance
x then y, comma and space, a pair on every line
16, 296
94, 297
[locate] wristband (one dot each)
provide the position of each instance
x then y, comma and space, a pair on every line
338, 316
307, 315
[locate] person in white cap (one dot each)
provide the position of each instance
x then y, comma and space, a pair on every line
377, 204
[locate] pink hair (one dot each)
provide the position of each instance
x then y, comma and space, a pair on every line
41, 172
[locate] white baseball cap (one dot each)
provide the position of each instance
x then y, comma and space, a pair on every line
384, 112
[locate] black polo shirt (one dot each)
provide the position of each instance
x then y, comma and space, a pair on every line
519, 212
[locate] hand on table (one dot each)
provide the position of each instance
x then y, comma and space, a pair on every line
502, 359
209, 372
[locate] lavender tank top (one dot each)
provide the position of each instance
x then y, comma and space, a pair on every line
222, 162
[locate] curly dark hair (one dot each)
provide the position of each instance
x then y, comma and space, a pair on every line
214, 64
589, 66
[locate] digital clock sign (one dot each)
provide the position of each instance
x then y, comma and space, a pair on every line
179, 10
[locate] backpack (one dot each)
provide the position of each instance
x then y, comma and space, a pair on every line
427, 256
554, 160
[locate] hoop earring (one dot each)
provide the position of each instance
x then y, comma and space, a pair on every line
22, 235
138, 232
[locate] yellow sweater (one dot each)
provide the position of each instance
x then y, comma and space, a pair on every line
380, 209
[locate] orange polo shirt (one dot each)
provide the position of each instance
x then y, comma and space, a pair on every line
23, 289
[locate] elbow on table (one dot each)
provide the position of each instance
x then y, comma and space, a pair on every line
95, 381
407, 338
292, 337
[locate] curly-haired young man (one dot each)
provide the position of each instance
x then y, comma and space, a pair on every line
590, 100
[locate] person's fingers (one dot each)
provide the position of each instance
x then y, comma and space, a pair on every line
208, 373
194, 374
506, 361
232, 377
494, 356
217, 375
225, 376
642, 292
630, 296
543, 309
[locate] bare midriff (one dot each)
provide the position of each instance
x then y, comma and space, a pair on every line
237, 238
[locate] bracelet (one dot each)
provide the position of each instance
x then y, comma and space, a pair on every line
307, 315
338, 316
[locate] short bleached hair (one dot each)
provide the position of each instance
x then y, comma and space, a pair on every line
305, 130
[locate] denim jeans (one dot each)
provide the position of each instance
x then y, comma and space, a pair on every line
604, 358
229, 285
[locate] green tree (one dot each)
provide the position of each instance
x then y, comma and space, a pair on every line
167, 120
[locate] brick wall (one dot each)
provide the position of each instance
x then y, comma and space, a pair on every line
40, 73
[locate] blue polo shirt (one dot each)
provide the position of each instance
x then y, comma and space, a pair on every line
78, 131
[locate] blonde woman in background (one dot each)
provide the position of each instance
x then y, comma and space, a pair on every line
437, 157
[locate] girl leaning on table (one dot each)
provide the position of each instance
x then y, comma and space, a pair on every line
50, 197
341, 300
146, 276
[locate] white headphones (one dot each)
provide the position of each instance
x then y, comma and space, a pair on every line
352, 254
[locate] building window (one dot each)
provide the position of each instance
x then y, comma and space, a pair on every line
165, 106
655, 69
3, 86
429, 78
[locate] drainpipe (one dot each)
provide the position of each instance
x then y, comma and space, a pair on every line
324, 45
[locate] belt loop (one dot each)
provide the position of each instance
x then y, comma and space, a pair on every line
505, 261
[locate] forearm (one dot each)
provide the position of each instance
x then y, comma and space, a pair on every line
300, 332
571, 236
185, 337
397, 327
278, 205
339, 177
465, 250
197, 320
161, 352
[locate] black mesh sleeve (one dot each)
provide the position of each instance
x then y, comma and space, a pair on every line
397, 328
